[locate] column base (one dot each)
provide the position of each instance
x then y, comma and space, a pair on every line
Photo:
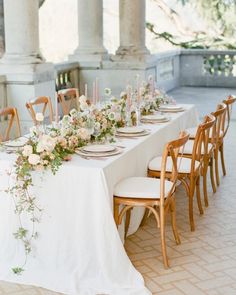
89, 55
132, 52
21, 59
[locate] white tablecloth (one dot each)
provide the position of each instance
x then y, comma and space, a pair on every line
79, 250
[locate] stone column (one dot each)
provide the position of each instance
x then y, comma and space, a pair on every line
132, 28
2, 45
27, 74
90, 30
21, 32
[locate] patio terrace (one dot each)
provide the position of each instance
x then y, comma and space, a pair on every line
205, 262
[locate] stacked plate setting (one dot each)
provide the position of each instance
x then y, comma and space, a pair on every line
171, 108
131, 132
155, 118
15, 145
98, 150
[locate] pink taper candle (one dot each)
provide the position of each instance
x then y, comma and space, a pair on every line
56, 108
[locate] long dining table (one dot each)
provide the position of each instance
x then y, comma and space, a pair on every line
79, 249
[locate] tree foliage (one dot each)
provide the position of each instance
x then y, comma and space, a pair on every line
219, 16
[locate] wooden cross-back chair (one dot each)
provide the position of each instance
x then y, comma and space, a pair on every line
68, 98
12, 115
218, 138
45, 102
229, 101
190, 169
229, 104
156, 195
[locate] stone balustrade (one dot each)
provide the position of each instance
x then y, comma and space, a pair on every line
67, 75
171, 69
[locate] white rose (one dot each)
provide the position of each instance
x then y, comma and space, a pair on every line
83, 99
48, 143
34, 159
39, 117
27, 151
84, 106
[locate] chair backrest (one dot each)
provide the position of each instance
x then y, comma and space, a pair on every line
201, 141
219, 128
12, 115
45, 101
69, 98
171, 150
229, 101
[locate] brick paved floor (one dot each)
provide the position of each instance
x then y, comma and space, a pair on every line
204, 263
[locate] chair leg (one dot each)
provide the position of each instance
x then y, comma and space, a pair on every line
222, 158
173, 221
145, 216
216, 155
163, 243
191, 194
204, 176
198, 193
212, 175
127, 221
116, 213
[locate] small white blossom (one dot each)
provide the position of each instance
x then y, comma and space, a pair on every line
107, 91
39, 117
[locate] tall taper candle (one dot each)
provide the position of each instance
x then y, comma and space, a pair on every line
94, 93
97, 91
86, 90
56, 108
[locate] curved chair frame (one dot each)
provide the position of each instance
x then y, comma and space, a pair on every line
13, 114
64, 94
159, 207
41, 100
191, 180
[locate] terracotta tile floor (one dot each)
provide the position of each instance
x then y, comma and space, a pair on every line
205, 262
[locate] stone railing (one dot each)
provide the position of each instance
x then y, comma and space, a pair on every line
166, 68
208, 68
67, 75
171, 69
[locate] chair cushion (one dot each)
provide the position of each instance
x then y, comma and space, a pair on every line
188, 149
141, 187
183, 167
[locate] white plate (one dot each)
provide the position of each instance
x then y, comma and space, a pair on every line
134, 135
154, 118
155, 121
19, 142
98, 148
132, 130
115, 152
171, 107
